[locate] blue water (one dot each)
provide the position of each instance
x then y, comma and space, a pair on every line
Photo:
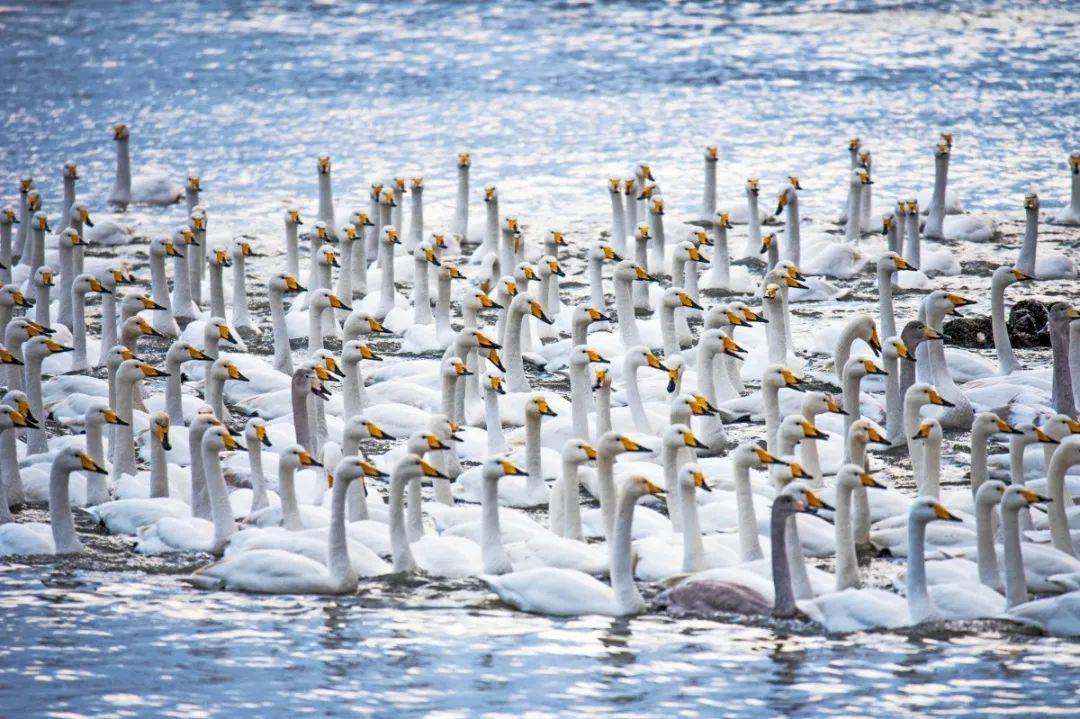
550, 99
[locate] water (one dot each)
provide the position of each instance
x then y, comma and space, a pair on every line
551, 99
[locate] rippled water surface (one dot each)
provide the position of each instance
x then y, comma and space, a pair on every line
550, 99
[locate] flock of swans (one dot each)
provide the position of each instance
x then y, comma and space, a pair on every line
251, 457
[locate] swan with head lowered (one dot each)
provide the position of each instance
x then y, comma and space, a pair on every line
152, 186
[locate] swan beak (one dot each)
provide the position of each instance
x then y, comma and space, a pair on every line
731, 349
113, 418
595, 356
630, 445
872, 368
320, 391
89, 465
815, 502
932, 334
226, 334
496, 384
163, 437
332, 367
601, 378
687, 301
942, 513
337, 304
875, 342
812, 432
1033, 497
20, 419
642, 275
231, 443
291, 285
940, 401
766, 242
488, 303
544, 409
875, 437
752, 316
493, 358
651, 488
21, 300
370, 470
654, 362
96, 286
236, 374
700, 409
590, 451
1044, 438
306, 460
792, 382
834, 407
430, 471
1020, 276
262, 435
377, 432
509, 469
8, 358
596, 315
673, 379
792, 282
484, 342
924, 431
611, 254
197, 354
868, 481
699, 481
693, 442
1005, 427
538, 312
55, 347
797, 471
434, 443
369, 354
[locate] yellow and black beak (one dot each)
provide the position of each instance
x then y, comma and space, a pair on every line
509, 469
673, 376
791, 381
235, 373
8, 358
23, 419
112, 417
337, 304
642, 275
872, 369
370, 470
150, 371
938, 400
226, 334
306, 460
262, 435
942, 513
487, 303
197, 354
654, 362
1003, 426
291, 285
1043, 438
55, 347
601, 378
162, 434
377, 432
732, 349
630, 445
595, 356
699, 481
687, 301
815, 503
434, 443
693, 442
430, 471
923, 432
590, 451
492, 356
89, 465
545, 409
653, 488
873, 436
1034, 497
537, 311
596, 315
496, 383
231, 443
812, 432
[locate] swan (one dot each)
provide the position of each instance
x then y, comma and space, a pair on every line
281, 571
151, 186
935, 209
180, 534
35, 350
1048, 265
66, 242
460, 225
566, 592
7, 219
1070, 215
618, 214
12, 492
31, 538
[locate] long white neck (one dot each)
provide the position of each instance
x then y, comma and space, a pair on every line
326, 201
627, 597
852, 383
215, 387
656, 248
386, 286
461, 207
315, 332
749, 545
301, 419
108, 325
491, 229
792, 232
78, 332
181, 300
885, 302
399, 540
220, 509
337, 553
535, 482
989, 574
784, 602
851, 230
217, 291
442, 307
282, 353
350, 389
5, 252
35, 438
159, 468
979, 474
919, 605
770, 398
69, 200
124, 454
240, 315
259, 497
618, 222
669, 457
628, 326
605, 483
939, 368
912, 243
667, 330
936, 212
10, 476
200, 491
97, 489
290, 508
515, 366
579, 401
602, 396
894, 413
776, 333
1015, 580
123, 171
693, 545
292, 249
1055, 485
63, 523
67, 279
571, 519
931, 486
421, 299
808, 453
708, 200
847, 563
1007, 361
596, 284
753, 226
633, 398
496, 443
43, 309
720, 262
1026, 262
912, 405
491, 547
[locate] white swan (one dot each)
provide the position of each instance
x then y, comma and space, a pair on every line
151, 186
1070, 215
1044, 265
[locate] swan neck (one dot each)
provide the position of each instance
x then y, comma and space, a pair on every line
984, 542
784, 605
1015, 580
399, 540
1055, 485
847, 564
492, 550
221, 510
627, 597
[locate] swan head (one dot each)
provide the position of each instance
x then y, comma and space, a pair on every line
69, 238
197, 219
942, 149
854, 143
223, 369
1007, 275
120, 132
642, 356
537, 406
43, 346
470, 337
9, 358
1017, 496
88, 283
33, 203
860, 177
644, 171
578, 451
700, 238
218, 438
218, 329
929, 431
328, 256
630, 271
43, 277
390, 235
478, 300
891, 261
11, 417
284, 283
350, 469
159, 426
292, 217
990, 493
987, 423
324, 164
748, 314
864, 158
453, 367
493, 382
691, 477
693, 405
450, 271
779, 376
1031, 201
72, 459
851, 476
817, 402
412, 466
498, 467
712, 153
865, 431
240, 248
581, 356
788, 195
797, 497
360, 427
691, 252
924, 510
322, 299
613, 443
295, 457
637, 486
656, 206
942, 302
18, 399
306, 380
604, 251
8, 216
1061, 315
678, 297
915, 333
797, 428
630, 187
1059, 427
464, 160
601, 379
615, 185
1074, 163
753, 186
548, 266
389, 195
860, 367
678, 436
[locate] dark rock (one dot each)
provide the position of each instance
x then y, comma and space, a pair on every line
973, 332
1027, 324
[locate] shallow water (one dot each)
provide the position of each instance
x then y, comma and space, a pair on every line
550, 99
